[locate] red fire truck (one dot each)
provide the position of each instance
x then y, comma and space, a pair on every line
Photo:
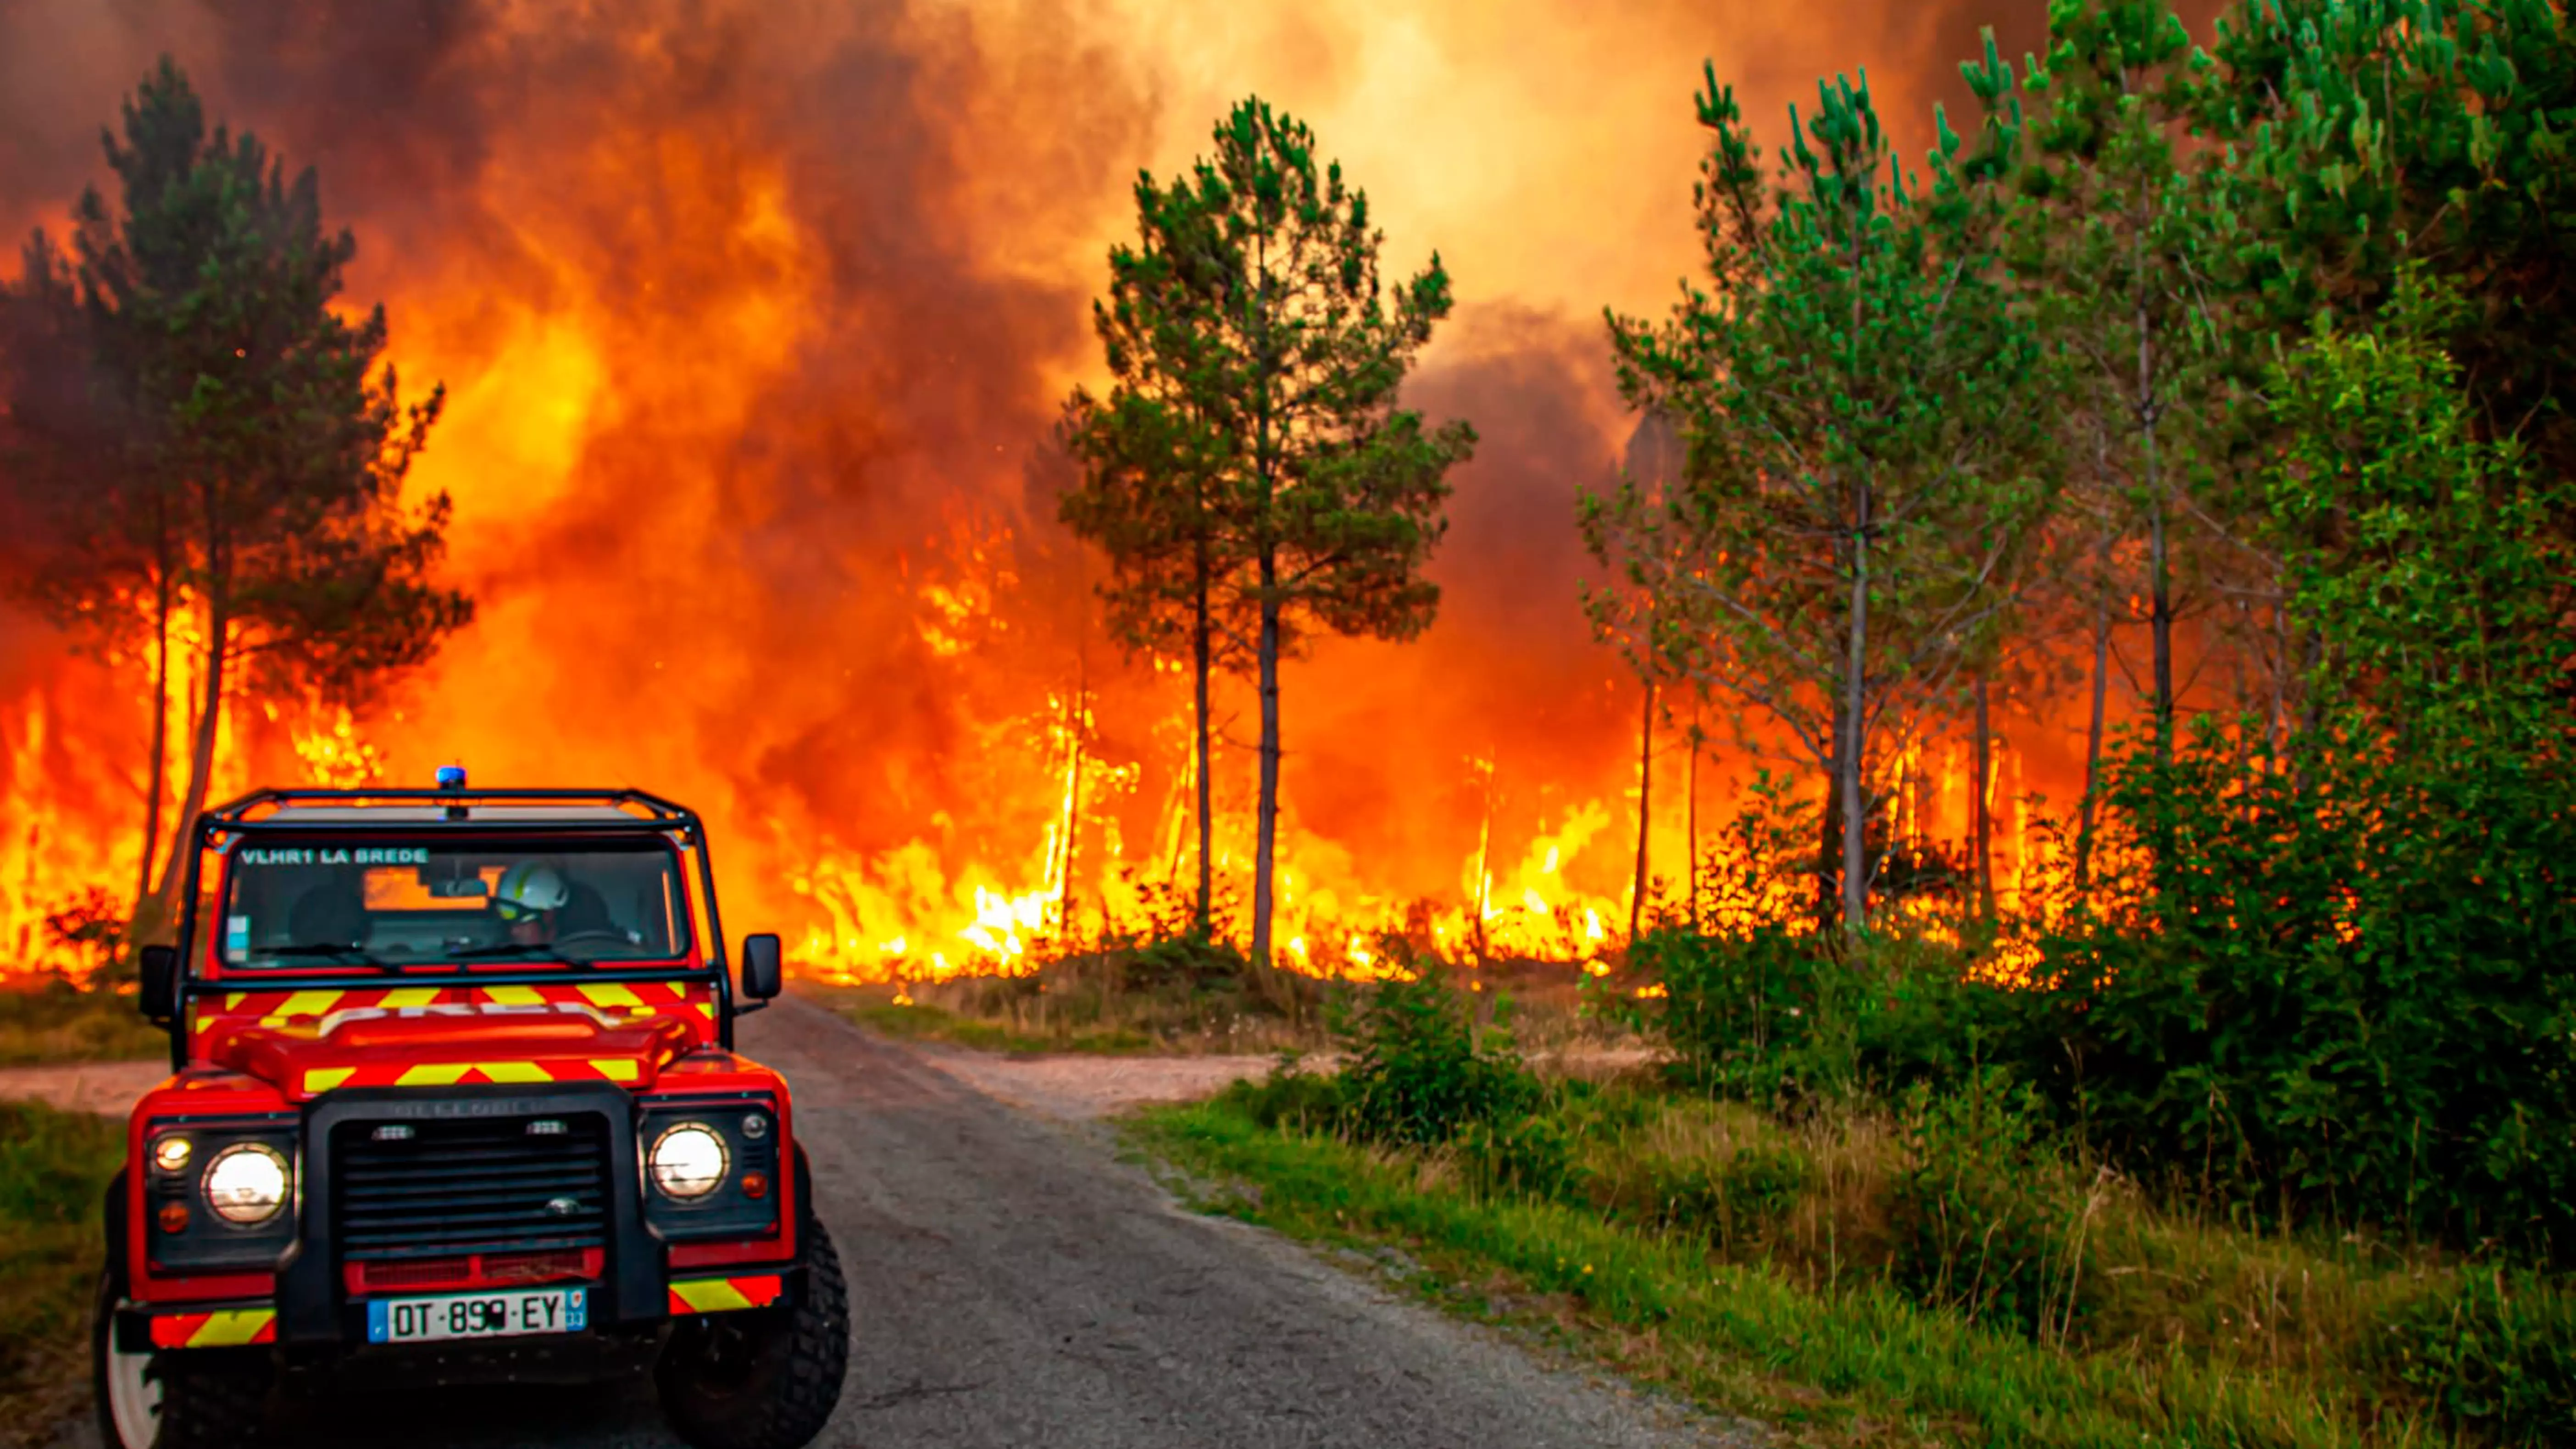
455, 1099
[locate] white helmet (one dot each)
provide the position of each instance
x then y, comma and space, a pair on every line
529, 889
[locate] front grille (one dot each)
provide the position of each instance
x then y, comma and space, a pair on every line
440, 1189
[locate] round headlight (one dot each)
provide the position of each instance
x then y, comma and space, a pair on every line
246, 1183
170, 1154
688, 1161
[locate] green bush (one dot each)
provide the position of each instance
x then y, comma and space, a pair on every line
57, 1022
2495, 1355
54, 1167
1747, 1013
1417, 1068
1985, 1216
1532, 1154
1290, 1098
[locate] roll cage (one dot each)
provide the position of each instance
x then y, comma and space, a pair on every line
534, 813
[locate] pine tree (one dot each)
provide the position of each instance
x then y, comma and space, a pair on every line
1856, 409
272, 448
1251, 467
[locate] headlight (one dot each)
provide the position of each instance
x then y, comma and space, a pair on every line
170, 1154
689, 1161
246, 1183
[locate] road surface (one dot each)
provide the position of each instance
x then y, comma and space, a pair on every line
1011, 1283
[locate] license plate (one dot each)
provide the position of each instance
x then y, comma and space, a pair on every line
477, 1315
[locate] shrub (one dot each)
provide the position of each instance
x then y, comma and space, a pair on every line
1290, 1098
1417, 1069
1986, 1219
2495, 1355
1532, 1154
1750, 1013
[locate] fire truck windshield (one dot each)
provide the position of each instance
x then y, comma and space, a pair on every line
316, 901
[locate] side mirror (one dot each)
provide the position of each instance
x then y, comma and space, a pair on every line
158, 999
764, 972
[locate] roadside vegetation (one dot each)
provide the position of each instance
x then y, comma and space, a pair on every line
53, 1166
1944, 1262
2244, 1111
1182, 993
58, 1022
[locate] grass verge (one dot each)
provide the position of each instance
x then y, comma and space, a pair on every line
53, 1167
915, 1021
56, 1023
1842, 1362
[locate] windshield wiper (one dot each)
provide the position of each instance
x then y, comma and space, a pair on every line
339, 955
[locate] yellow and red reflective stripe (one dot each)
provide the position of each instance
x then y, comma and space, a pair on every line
225, 1328
720, 1295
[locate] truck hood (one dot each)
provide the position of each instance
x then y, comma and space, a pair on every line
445, 1046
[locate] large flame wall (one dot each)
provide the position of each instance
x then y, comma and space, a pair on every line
754, 319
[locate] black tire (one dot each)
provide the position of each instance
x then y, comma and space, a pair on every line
209, 1398
762, 1379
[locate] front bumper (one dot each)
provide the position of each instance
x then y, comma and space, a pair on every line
317, 1301
251, 1322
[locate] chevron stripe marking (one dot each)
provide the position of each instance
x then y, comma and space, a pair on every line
235, 1327
611, 994
224, 1328
615, 1069
323, 1079
513, 996
433, 1074
721, 1295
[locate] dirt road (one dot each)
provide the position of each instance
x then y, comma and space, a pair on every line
1013, 1284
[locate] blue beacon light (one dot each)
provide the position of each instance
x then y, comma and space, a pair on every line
451, 777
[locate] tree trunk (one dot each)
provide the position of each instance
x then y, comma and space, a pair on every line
1484, 855
1645, 807
2160, 574
2160, 623
201, 761
1074, 717
1829, 845
1266, 822
1690, 816
1201, 661
1855, 701
156, 779
1980, 804
2085, 808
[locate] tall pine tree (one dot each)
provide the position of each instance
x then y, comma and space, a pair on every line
1250, 474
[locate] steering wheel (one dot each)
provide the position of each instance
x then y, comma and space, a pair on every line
571, 936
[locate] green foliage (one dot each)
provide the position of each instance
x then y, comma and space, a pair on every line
1855, 398
1418, 1068
58, 1023
2495, 1354
1531, 1153
54, 1168
1249, 475
2344, 995
2365, 133
256, 453
1986, 1222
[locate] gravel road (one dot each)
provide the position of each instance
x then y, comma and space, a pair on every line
1012, 1283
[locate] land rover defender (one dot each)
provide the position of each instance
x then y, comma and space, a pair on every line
455, 1099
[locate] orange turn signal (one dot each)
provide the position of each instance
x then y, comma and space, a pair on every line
174, 1217
755, 1185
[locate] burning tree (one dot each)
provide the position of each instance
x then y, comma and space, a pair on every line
1249, 474
1856, 403
251, 500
